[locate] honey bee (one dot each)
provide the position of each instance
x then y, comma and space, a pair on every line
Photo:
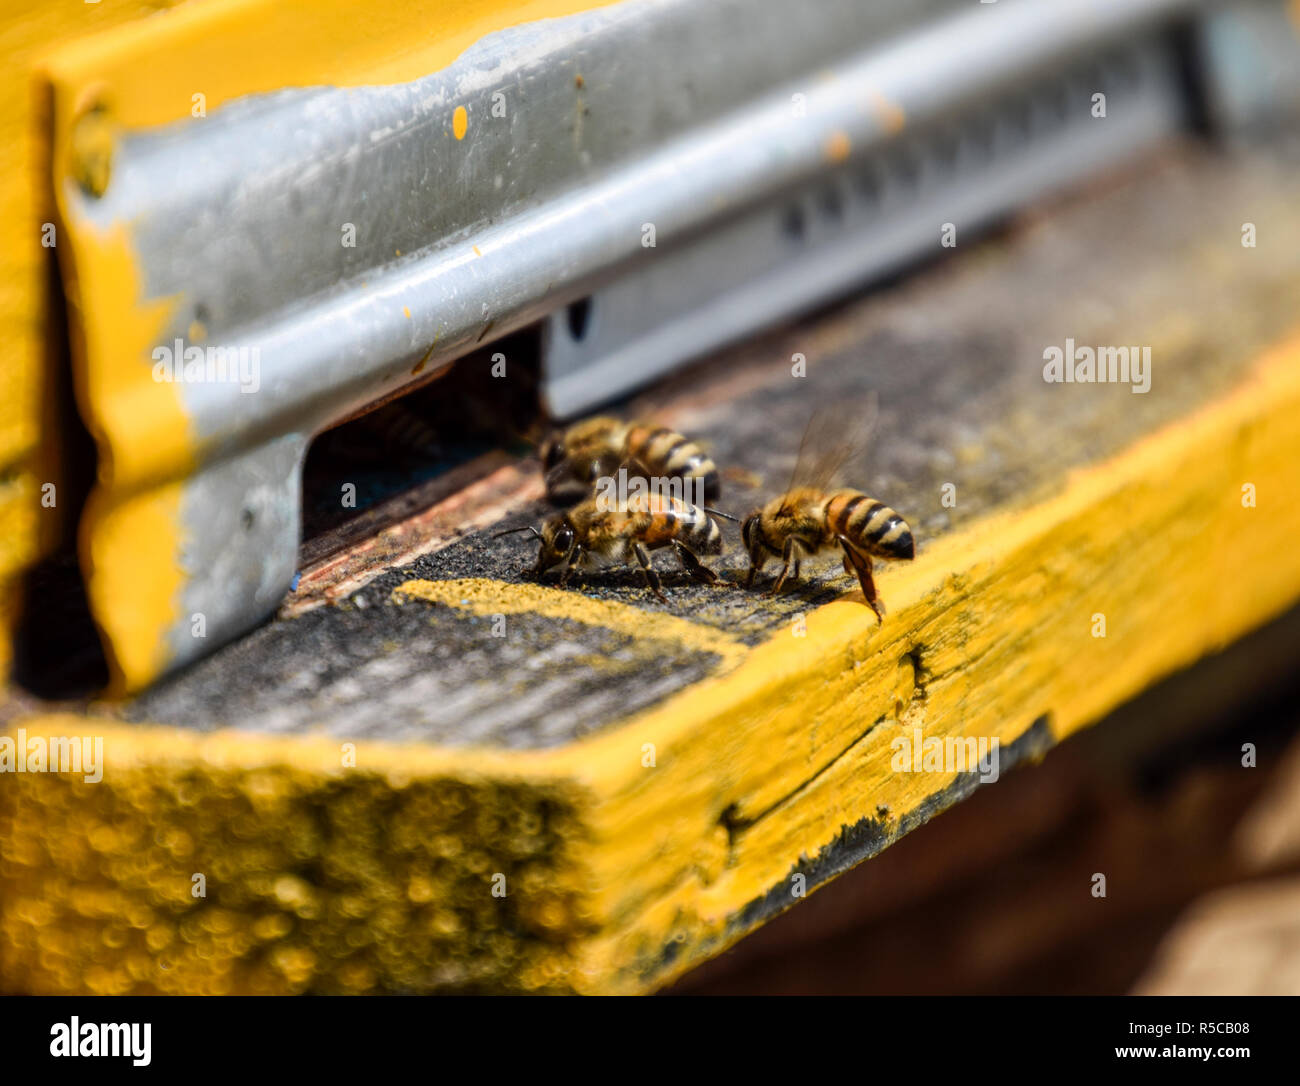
811, 516
590, 535
600, 446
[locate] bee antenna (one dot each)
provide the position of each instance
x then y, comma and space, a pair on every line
720, 513
516, 531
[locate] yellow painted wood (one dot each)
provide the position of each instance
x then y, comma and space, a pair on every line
618, 874
29, 29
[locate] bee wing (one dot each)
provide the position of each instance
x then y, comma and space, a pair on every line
837, 436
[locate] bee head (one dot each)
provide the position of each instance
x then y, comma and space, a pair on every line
556, 543
749, 531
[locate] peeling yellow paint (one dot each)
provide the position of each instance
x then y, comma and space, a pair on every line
130, 532
235, 48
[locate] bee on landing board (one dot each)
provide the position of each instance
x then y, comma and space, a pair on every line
591, 535
811, 517
575, 458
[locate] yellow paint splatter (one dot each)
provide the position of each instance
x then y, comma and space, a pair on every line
460, 122
889, 114
406, 312
838, 147
482, 596
478, 251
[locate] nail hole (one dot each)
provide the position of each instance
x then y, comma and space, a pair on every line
579, 318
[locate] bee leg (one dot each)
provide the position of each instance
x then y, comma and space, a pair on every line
857, 562
789, 555
696, 568
571, 562
757, 560
651, 577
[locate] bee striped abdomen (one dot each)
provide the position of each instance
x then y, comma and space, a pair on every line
702, 533
673, 456
666, 519
871, 525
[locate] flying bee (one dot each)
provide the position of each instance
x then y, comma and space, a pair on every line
591, 535
600, 446
811, 516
